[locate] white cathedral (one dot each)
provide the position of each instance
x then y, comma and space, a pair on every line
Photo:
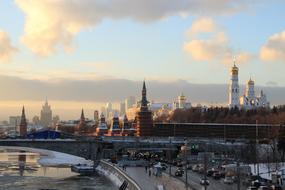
248, 100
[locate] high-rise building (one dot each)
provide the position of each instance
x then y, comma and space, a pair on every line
96, 117
144, 120
122, 108
129, 102
46, 115
14, 120
36, 120
23, 124
109, 110
234, 88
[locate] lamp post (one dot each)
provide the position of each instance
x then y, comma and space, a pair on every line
170, 157
256, 145
184, 150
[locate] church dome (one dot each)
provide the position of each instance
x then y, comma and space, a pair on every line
235, 70
250, 82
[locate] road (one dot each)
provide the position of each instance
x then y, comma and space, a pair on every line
147, 182
194, 181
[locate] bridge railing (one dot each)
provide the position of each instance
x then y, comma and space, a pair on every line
132, 184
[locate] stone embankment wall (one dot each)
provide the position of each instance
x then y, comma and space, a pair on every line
116, 174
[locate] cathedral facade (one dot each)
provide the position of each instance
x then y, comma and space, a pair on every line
249, 100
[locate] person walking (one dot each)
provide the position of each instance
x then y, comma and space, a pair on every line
145, 169
149, 172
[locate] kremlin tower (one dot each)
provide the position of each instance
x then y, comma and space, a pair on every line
23, 124
102, 128
127, 130
144, 123
82, 124
115, 129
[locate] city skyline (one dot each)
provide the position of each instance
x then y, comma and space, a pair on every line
52, 49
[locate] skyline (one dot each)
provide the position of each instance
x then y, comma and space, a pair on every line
74, 51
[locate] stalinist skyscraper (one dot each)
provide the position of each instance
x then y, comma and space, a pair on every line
46, 115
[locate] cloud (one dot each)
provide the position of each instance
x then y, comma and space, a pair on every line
7, 50
274, 49
209, 42
51, 24
202, 25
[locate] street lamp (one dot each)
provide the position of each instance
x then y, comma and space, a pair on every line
184, 150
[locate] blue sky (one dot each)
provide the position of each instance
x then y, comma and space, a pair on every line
130, 49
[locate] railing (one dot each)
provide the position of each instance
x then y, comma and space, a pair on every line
132, 184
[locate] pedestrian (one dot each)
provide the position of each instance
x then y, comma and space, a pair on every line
149, 172
145, 169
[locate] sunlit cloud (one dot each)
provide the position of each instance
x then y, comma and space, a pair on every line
52, 24
215, 46
274, 49
7, 50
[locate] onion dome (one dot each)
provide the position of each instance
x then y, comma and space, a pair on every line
250, 82
235, 70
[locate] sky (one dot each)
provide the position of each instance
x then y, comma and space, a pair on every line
79, 51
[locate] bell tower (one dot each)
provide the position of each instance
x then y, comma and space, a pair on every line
234, 88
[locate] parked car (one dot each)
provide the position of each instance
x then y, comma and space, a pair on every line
252, 188
256, 183
189, 167
228, 180
276, 187
216, 175
263, 188
195, 168
179, 173
164, 166
204, 181
210, 173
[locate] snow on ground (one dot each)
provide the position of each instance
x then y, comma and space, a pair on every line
52, 158
265, 170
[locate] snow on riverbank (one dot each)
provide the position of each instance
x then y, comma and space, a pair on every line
52, 158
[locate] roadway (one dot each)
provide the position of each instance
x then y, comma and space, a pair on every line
147, 182
194, 181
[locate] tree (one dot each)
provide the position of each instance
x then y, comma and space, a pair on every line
281, 142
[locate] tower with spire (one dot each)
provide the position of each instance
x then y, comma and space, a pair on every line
248, 100
46, 115
115, 129
234, 88
23, 124
82, 124
102, 128
144, 122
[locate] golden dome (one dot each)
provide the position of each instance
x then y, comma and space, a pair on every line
250, 82
235, 70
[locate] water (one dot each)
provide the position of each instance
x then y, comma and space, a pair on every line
20, 170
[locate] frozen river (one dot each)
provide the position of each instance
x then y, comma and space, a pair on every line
20, 169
